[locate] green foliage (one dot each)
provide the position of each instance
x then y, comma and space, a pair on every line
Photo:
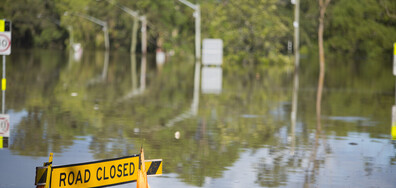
360, 28
253, 31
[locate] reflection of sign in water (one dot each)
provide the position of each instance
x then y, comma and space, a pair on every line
5, 37
4, 125
212, 78
212, 52
97, 173
4, 130
393, 131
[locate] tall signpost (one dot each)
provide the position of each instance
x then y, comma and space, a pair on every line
97, 21
296, 25
197, 15
393, 130
5, 49
197, 74
143, 19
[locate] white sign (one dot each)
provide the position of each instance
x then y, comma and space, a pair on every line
5, 37
212, 52
4, 125
5, 43
212, 79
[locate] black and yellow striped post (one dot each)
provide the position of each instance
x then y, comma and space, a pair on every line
155, 167
3, 142
42, 175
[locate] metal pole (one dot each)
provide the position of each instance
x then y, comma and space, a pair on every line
133, 52
105, 65
296, 25
99, 22
134, 35
198, 32
106, 33
144, 54
197, 15
394, 58
3, 84
195, 103
294, 112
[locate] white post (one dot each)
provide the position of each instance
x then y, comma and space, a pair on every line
106, 35
195, 103
3, 82
394, 59
197, 15
144, 54
296, 25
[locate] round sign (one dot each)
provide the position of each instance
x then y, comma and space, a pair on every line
4, 125
5, 42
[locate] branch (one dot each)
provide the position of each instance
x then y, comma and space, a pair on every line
387, 10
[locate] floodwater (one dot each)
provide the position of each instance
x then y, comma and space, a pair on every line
251, 128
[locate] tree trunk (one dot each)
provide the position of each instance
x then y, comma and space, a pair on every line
322, 6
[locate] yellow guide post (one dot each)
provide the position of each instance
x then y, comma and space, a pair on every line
2, 25
394, 48
3, 84
394, 132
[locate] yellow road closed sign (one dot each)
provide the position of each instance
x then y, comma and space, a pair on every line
101, 173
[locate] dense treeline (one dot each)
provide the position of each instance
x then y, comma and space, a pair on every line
253, 31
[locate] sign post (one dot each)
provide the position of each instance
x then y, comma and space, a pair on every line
394, 59
5, 49
393, 130
5, 37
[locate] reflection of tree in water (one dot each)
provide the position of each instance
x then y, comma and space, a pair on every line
275, 172
209, 143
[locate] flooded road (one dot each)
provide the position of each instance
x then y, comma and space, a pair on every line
259, 129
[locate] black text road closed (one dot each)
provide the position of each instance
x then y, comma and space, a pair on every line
96, 174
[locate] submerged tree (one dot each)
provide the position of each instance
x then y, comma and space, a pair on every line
322, 9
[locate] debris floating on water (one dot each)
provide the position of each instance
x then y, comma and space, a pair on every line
177, 135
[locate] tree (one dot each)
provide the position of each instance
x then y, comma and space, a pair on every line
322, 10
